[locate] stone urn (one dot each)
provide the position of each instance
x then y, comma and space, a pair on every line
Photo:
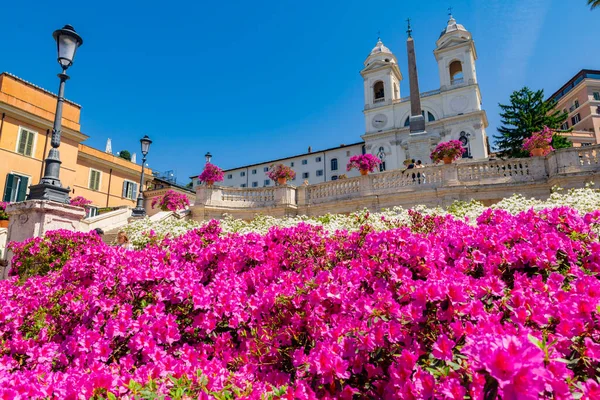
364, 171
537, 152
282, 181
447, 160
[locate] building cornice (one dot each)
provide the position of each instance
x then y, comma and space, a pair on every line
41, 89
17, 113
106, 163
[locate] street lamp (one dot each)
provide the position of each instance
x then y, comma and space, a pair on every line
50, 188
208, 156
139, 210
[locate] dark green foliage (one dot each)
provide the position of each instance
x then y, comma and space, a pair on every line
527, 113
125, 154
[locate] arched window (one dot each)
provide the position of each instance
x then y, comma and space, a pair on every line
464, 139
396, 91
430, 118
456, 72
378, 92
334, 164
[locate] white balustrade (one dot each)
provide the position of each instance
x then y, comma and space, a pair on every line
517, 170
562, 162
396, 179
333, 189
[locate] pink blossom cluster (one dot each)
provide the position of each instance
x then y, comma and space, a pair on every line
539, 140
211, 173
3, 214
439, 309
280, 171
452, 149
171, 201
363, 162
80, 201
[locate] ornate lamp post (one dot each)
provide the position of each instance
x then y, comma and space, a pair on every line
139, 210
50, 188
208, 156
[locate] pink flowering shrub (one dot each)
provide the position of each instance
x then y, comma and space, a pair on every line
539, 140
38, 256
438, 309
452, 149
365, 162
80, 201
3, 214
171, 201
211, 173
280, 171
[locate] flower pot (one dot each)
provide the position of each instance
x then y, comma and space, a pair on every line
537, 152
364, 171
210, 183
447, 160
282, 181
4, 223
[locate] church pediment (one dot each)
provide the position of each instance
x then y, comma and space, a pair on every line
451, 42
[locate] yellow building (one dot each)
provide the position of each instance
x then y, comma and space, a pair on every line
27, 113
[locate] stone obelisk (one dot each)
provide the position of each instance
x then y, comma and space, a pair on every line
417, 121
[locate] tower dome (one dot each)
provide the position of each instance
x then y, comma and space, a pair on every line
380, 53
454, 28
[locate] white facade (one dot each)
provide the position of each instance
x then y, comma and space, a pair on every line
314, 167
451, 112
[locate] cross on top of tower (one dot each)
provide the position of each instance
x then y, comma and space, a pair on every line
450, 11
409, 31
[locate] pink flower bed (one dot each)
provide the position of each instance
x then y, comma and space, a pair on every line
171, 201
439, 309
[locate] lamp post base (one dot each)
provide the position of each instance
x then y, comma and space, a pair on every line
138, 212
45, 191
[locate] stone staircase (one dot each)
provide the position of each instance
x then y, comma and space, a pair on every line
110, 237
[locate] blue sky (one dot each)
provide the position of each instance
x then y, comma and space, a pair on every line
253, 81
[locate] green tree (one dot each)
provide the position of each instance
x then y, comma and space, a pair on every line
125, 154
593, 3
528, 113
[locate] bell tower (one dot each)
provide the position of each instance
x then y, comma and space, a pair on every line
381, 77
455, 53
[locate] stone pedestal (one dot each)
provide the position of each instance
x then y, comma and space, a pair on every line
33, 218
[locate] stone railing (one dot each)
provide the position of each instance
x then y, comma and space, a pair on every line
485, 180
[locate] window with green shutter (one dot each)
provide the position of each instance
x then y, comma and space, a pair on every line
94, 183
130, 190
16, 188
25, 144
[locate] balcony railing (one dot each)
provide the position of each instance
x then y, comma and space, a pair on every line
464, 177
381, 100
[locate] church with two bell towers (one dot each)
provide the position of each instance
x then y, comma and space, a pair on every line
399, 128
